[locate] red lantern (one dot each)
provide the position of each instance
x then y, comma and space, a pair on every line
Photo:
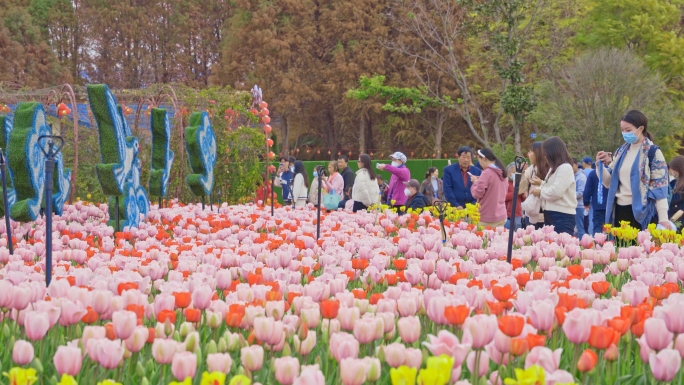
269, 142
271, 155
266, 119
318, 152
267, 129
411, 153
254, 111
264, 112
263, 105
308, 151
328, 152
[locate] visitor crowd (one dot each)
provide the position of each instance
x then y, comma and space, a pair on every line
635, 184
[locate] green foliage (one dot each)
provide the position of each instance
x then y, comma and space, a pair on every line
404, 100
241, 169
162, 157
201, 181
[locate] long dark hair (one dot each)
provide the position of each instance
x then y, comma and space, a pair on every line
637, 119
540, 162
299, 169
556, 153
366, 160
429, 172
677, 164
489, 154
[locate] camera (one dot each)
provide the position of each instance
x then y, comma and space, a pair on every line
322, 171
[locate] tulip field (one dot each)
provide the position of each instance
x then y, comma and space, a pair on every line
237, 296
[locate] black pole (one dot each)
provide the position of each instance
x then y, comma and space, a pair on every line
50, 154
211, 201
441, 209
202, 202
519, 162
3, 166
160, 202
318, 221
218, 206
272, 192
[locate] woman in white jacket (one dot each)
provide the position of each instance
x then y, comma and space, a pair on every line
557, 191
366, 190
299, 185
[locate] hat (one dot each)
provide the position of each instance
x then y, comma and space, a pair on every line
587, 159
464, 149
399, 156
412, 183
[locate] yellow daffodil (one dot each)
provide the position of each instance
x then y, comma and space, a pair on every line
443, 365
187, 381
109, 382
21, 376
240, 379
214, 378
403, 375
431, 377
534, 375
67, 380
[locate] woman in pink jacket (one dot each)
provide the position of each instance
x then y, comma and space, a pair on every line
400, 174
490, 189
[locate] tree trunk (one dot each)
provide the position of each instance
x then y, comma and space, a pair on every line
330, 137
516, 136
284, 135
362, 134
439, 133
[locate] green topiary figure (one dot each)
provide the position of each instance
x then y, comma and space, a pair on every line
162, 156
200, 143
6, 126
26, 160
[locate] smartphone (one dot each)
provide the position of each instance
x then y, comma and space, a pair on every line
470, 173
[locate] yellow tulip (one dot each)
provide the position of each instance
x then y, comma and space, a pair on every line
213, 378
109, 382
187, 381
67, 380
443, 365
20, 376
240, 379
431, 377
534, 375
403, 375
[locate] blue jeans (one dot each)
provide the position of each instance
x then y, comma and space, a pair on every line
562, 223
598, 219
579, 222
518, 223
590, 228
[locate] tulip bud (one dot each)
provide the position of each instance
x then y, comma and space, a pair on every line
211, 347
287, 350
222, 345
214, 320
373, 368
192, 342
611, 353
303, 331
198, 351
380, 353
185, 329
139, 369
5, 330
145, 381
168, 328
127, 353
176, 336
37, 365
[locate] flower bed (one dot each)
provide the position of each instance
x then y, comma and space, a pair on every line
240, 297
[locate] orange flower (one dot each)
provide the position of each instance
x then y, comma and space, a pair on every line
109, 331
621, 325
391, 279
495, 308
519, 346
560, 312
399, 264
587, 361
139, 310
638, 329
576, 270
659, 292
329, 308
151, 334
516, 263
359, 264
192, 315
255, 279
475, 282
166, 314
672, 287
458, 276
601, 287
601, 337
91, 316
537, 275
291, 296
374, 298
456, 315
630, 313
502, 293
511, 325
534, 340
274, 296
182, 299
123, 286
522, 279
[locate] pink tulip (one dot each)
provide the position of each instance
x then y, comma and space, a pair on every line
435, 309
21, 297
72, 312
311, 316
310, 375
263, 328
352, 371
163, 350
656, 334
407, 307
108, 353
482, 329
409, 329
6, 291
644, 350
483, 367
252, 357
305, 347
286, 369
68, 360
679, 344
124, 323
348, 317
343, 345
502, 342
219, 362
366, 330
413, 358
36, 325
665, 364
542, 315
22, 353
447, 343
201, 297
559, 377
394, 354
137, 340
576, 326
544, 357
101, 301
672, 316
184, 365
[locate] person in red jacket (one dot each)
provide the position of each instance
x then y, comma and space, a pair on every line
490, 189
509, 200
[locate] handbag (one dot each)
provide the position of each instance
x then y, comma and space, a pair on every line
331, 201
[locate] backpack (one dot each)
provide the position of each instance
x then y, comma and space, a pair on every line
651, 156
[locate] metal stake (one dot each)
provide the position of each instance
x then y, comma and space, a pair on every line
202, 202
116, 221
272, 192
3, 167
519, 162
50, 153
441, 207
318, 221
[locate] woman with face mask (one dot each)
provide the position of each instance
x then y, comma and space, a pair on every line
490, 189
509, 199
432, 186
636, 177
677, 187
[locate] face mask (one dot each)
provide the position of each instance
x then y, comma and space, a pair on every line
292, 168
512, 178
434, 177
630, 137
315, 174
395, 164
407, 192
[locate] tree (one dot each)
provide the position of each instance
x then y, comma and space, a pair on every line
588, 99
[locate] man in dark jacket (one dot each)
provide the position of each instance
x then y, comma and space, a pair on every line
591, 200
457, 181
348, 176
285, 177
416, 200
